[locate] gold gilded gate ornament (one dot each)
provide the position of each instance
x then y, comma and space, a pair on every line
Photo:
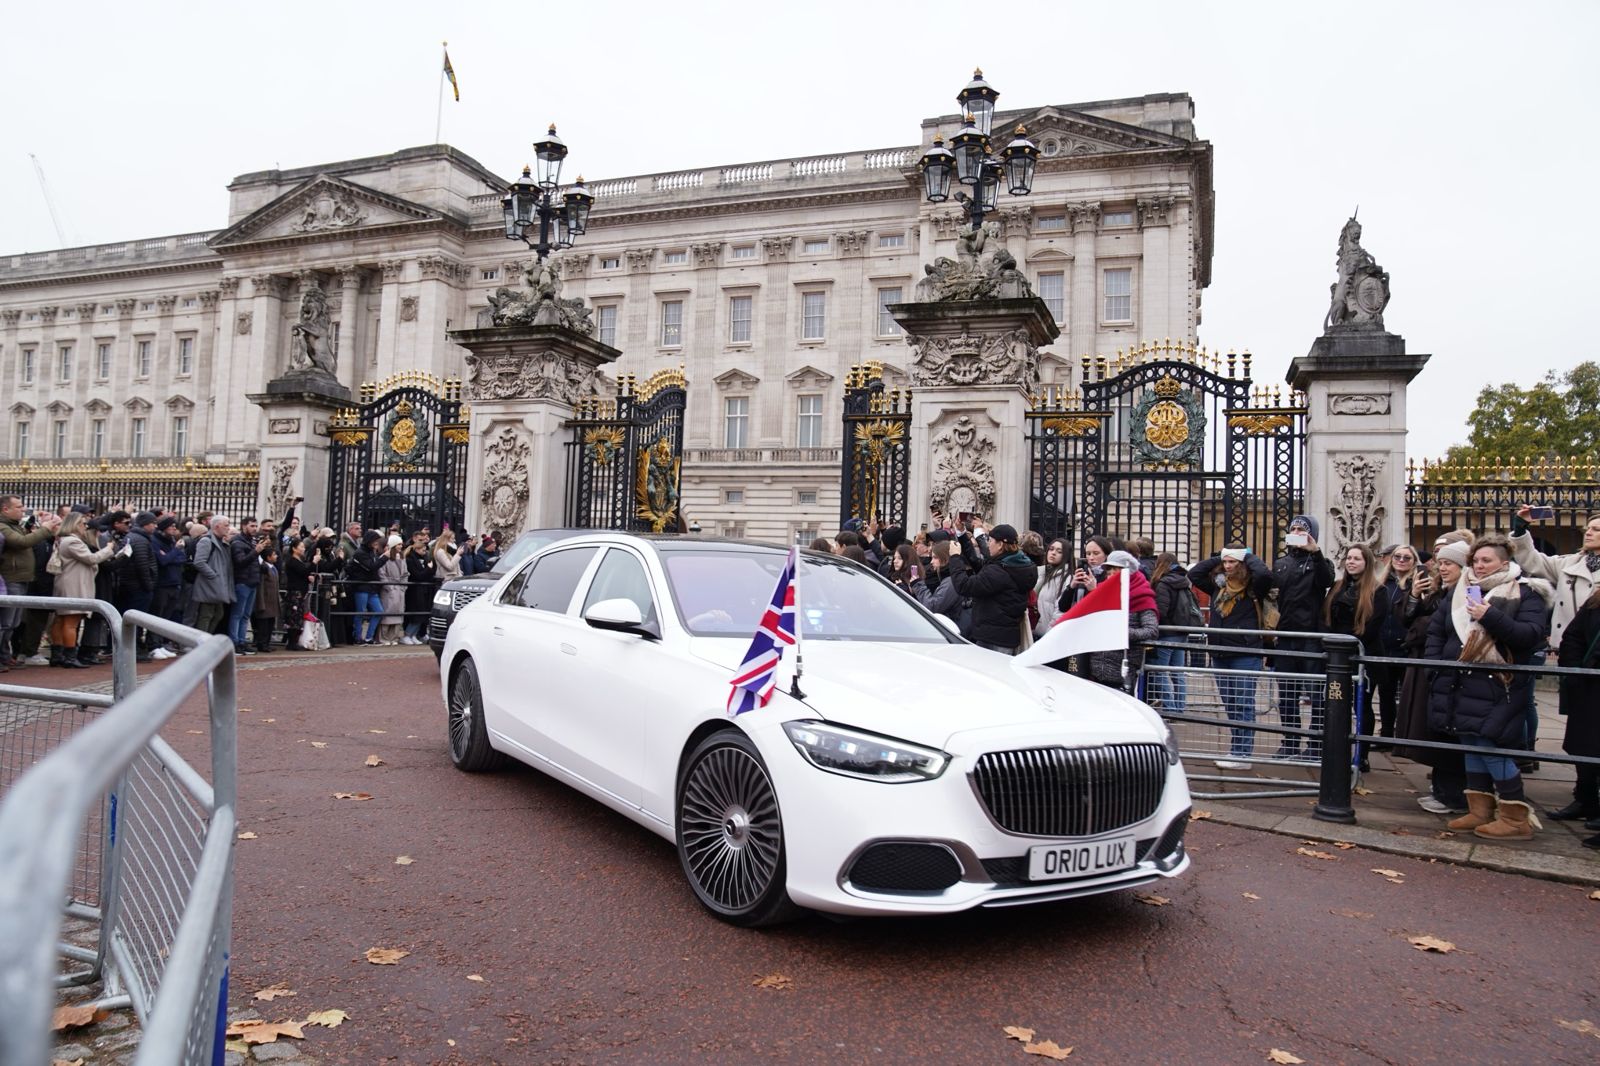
405, 435
655, 488
1168, 427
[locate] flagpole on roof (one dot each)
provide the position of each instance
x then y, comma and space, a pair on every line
799, 625
438, 120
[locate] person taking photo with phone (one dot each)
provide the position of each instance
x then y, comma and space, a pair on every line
999, 592
1302, 576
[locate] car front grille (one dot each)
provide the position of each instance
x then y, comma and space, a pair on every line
1071, 792
905, 867
459, 598
438, 629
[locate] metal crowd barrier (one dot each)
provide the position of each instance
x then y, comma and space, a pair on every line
167, 883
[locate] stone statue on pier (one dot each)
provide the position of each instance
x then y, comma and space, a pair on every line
973, 275
311, 350
539, 302
1362, 290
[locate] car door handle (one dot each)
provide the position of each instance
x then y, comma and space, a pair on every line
568, 649
499, 632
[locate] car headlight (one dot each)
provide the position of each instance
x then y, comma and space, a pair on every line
1172, 747
841, 750
442, 598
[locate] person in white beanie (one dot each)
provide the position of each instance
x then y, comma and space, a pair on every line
1428, 592
392, 591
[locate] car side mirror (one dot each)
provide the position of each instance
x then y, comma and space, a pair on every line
946, 621
619, 616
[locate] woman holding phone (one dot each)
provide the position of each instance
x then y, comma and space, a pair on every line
1495, 616
1429, 593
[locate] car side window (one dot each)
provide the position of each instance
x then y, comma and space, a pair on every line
621, 577
554, 578
512, 596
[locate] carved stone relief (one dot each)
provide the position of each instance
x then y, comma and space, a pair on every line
1358, 403
392, 269
229, 286
10, 316
283, 425
505, 482
329, 207
707, 254
777, 249
165, 303
242, 322
963, 467
852, 242
47, 313
1085, 217
125, 307
975, 359
542, 376
972, 274
639, 259
280, 486
408, 308
1358, 515
1155, 211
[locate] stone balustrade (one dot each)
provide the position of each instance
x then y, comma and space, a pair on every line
123, 253
741, 456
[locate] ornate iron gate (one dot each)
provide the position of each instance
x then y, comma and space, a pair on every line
1172, 443
625, 459
876, 457
401, 456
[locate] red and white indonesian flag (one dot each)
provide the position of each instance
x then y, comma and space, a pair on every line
1098, 622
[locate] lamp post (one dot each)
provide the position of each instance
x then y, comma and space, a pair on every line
971, 162
533, 213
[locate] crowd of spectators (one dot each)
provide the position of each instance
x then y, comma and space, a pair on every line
257, 582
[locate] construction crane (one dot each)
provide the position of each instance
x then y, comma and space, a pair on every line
55, 219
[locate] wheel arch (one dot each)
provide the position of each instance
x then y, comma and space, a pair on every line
699, 733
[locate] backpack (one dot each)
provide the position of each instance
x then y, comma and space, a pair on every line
1269, 615
1185, 610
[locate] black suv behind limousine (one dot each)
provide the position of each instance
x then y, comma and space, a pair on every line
451, 596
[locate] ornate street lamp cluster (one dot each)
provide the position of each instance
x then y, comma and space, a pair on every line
531, 201
970, 162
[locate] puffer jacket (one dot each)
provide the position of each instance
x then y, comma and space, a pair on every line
1482, 702
1570, 574
999, 595
1106, 666
141, 571
17, 560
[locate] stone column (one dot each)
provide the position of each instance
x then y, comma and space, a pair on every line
260, 360
1157, 315
9, 371
296, 447
434, 295
1084, 317
84, 371
974, 364
205, 368
235, 323
522, 383
122, 366
1355, 385
393, 271
351, 323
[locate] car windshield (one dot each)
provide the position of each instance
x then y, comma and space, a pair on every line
723, 594
522, 549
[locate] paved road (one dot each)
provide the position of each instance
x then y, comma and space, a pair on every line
591, 948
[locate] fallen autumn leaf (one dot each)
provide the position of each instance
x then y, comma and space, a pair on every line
276, 991
373, 760
1343, 845
1432, 943
385, 956
352, 795
1199, 816
1017, 1032
319, 743
1362, 791
478, 977
1314, 853
1344, 912
1287, 1058
256, 1031
76, 1017
775, 981
404, 860
1583, 1025
377, 730
1048, 1049
1386, 873
1251, 895
1152, 899
247, 835
1594, 895
328, 1019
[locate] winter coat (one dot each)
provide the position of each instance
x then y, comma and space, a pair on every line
392, 594
361, 571
940, 597
999, 595
142, 570
246, 563
297, 574
419, 572
1048, 592
213, 561
1106, 666
1303, 579
1342, 615
17, 565
1244, 613
1580, 696
1411, 722
446, 564
170, 557
1570, 574
78, 565
266, 605
1481, 702
1173, 588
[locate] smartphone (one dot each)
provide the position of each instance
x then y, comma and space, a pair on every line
916, 572
1541, 513
964, 516
1297, 540
1474, 593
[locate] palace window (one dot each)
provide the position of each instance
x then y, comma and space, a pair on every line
806, 498
733, 495
744, 251
1050, 223
141, 362
611, 262
733, 529
740, 309
58, 439
804, 535
190, 301
24, 439
147, 305
186, 352
671, 323
891, 240
606, 324
815, 246
1119, 294
27, 366
808, 422
887, 326
813, 316
138, 438
675, 257
180, 435
735, 421
1053, 291
64, 363
491, 274
97, 439
1112, 219
102, 361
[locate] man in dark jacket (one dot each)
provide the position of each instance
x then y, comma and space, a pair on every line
137, 587
1302, 576
999, 592
21, 532
94, 647
246, 582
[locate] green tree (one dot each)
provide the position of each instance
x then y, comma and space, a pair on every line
1557, 417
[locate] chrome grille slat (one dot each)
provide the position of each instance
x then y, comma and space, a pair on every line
459, 598
1071, 792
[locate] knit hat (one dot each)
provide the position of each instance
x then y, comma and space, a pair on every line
936, 535
166, 522
1122, 561
1005, 534
1237, 554
143, 518
1455, 552
394, 540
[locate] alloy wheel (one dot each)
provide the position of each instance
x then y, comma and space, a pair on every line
730, 828
462, 693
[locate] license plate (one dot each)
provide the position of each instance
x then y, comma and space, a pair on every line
1052, 862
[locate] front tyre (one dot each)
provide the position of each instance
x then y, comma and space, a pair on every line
730, 833
469, 739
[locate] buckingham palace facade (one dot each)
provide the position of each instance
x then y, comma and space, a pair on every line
765, 281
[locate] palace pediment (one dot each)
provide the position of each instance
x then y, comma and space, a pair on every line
322, 207
1062, 132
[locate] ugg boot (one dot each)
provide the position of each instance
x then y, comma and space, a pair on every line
1480, 811
1514, 820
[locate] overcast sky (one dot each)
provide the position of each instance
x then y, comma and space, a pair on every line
1462, 129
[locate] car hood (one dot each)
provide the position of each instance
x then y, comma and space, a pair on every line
929, 693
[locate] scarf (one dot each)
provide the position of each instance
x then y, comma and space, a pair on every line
1230, 591
1503, 589
1592, 561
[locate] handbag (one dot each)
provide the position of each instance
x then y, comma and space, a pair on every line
55, 564
313, 635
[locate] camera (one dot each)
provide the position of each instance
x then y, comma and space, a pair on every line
29, 522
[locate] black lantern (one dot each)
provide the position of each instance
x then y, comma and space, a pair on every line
519, 208
977, 102
937, 166
550, 152
988, 190
968, 147
1019, 157
575, 206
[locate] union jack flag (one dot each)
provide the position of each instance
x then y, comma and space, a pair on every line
756, 677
